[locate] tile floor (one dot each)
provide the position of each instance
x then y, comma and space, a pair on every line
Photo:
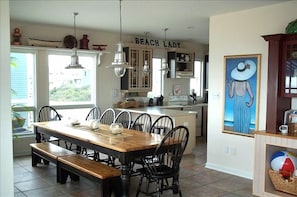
195, 180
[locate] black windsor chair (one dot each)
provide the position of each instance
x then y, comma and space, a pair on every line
167, 166
107, 117
124, 117
143, 122
49, 113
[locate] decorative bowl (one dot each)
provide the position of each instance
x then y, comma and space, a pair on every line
116, 128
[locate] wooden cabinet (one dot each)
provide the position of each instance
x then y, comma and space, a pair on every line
289, 65
266, 144
276, 103
135, 80
181, 64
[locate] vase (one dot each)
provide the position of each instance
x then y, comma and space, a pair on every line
84, 42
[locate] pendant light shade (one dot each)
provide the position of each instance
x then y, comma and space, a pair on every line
74, 64
165, 69
119, 58
119, 64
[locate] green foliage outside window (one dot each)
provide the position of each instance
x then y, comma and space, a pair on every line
67, 92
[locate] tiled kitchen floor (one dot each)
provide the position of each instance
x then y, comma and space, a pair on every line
195, 180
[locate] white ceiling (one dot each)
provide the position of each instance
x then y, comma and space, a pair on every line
185, 19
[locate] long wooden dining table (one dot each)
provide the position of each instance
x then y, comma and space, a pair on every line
126, 146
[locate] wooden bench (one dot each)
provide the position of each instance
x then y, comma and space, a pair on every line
74, 165
47, 151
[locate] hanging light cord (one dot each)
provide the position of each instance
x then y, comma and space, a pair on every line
165, 30
120, 21
74, 24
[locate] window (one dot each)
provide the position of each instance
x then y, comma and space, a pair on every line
72, 89
157, 79
22, 91
196, 83
71, 86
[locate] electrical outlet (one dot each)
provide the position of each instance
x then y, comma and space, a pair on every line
114, 93
227, 150
233, 151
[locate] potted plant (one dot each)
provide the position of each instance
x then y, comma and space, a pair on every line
16, 119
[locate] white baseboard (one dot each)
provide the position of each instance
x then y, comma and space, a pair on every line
232, 171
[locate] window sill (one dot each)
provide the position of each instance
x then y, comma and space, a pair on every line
22, 132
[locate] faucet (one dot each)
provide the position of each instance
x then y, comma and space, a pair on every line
194, 97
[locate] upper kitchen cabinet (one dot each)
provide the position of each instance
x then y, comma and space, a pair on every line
181, 64
138, 79
289, 65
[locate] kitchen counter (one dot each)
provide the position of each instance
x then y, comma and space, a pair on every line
186, 118
159, 111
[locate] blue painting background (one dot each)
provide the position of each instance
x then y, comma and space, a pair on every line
232, 63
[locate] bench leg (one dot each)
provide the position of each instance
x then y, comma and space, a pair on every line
106, 188
35, 159
110, 186
73, 177
62, 175
46, 162
116, 186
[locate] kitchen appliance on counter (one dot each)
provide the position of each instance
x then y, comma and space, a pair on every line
156, 101
178, 100
160, 100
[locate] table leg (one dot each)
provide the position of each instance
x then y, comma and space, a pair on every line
125, 179
37, 135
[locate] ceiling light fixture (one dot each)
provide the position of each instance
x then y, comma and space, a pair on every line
165, 67
119, 64
146, 68
74, 64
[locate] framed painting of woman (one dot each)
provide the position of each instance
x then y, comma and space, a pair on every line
241, 94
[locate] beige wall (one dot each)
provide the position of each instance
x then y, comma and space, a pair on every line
107, 81
6, 160
234, 34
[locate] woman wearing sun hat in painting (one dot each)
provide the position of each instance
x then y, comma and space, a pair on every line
237, 90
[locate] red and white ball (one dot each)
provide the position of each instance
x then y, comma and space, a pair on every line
285, 162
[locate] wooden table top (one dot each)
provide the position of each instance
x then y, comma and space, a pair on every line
129, 140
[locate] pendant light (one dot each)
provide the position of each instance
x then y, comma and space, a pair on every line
74, 64
146, 68
119, 64
165, 67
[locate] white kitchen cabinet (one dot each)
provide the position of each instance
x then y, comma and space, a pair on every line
135, 80
179, 118
198, 110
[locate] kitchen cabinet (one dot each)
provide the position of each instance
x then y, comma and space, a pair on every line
179, 118
135, 80
277, 103
289, 65
198, 111
181, 64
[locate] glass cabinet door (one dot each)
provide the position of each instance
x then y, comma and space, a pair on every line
290, 68
134, 73
138, 79
146, 69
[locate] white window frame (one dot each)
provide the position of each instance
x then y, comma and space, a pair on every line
65, 110
198, 77
30, 108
